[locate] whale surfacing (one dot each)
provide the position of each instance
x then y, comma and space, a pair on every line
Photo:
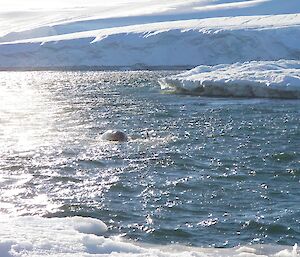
114, 135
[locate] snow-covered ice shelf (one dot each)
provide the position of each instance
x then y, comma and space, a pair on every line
165, 44
280, 79
148, 34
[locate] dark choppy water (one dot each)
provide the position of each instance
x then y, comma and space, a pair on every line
214, 172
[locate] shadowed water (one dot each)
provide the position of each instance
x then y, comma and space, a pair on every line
198, 171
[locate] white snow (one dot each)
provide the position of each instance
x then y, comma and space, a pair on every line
88, 225
60, 17
148, 34
63, 237
280, 79
165, 44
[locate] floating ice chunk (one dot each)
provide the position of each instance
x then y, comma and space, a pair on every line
89, 225
66, 237
287, 253
270, 79
101, 245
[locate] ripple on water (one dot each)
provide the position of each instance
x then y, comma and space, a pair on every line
200, 171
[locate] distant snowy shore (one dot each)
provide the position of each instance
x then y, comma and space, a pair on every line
161, 45
143, 34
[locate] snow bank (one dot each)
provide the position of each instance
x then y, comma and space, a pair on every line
164, 45
60, 237
37, 19
280, 79
147, 34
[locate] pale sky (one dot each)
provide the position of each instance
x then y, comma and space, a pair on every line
18, 5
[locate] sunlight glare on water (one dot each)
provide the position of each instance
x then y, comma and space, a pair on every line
197, 171
25, 113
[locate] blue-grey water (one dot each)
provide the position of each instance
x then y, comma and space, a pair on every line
212, 172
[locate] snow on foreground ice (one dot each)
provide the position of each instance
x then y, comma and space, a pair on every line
280, 79
83, 237
166, 44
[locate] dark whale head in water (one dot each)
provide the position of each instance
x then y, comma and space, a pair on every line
114, 135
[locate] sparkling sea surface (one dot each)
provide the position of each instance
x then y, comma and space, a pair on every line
211, 172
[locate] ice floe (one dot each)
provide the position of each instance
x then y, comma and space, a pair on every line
278, 79
81, 237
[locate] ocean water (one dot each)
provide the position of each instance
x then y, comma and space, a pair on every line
196, 171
